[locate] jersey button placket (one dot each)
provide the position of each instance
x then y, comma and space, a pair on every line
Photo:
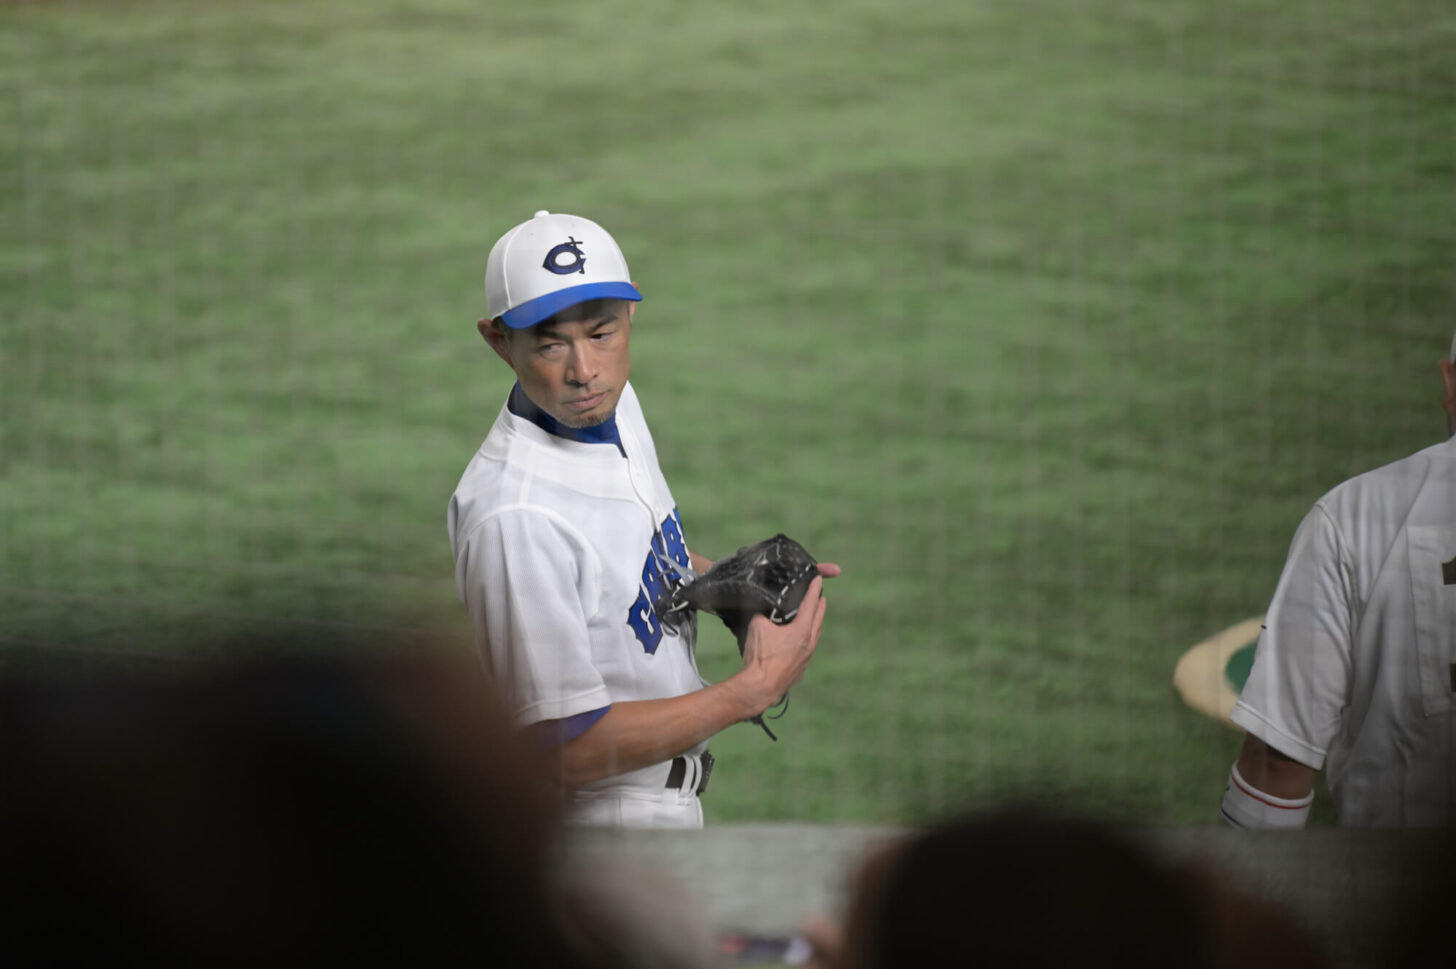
641, 481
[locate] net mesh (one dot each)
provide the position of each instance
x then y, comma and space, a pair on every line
1047, 321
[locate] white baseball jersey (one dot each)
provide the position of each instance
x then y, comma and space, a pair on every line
561, 547
1355, 670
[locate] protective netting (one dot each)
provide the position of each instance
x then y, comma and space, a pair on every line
1046, 320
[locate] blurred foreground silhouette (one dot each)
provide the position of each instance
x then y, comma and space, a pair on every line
309, 809
1025, 887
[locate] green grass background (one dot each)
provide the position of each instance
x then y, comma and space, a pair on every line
1046, 320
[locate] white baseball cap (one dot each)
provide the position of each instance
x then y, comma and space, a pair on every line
550, 262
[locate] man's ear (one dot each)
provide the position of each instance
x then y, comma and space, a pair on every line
496, 337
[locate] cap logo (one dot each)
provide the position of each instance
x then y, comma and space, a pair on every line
566, 258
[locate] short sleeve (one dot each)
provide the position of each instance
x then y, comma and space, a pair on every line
1300, 680
530, 581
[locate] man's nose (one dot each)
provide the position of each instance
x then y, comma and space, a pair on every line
582, 367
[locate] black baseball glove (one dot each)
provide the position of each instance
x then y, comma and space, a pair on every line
769, 579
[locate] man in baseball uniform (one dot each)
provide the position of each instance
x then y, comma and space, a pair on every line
1355, 670
565, 535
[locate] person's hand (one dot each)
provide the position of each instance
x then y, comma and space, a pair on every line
775, 657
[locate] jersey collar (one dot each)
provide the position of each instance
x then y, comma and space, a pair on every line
604, 433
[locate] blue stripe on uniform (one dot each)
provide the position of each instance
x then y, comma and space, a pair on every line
555, 733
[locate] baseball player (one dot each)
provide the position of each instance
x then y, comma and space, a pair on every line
565, 534
1355, 670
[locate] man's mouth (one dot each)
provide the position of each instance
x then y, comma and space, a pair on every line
586, 403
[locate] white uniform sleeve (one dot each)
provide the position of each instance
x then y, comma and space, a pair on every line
531, 582
1300, 680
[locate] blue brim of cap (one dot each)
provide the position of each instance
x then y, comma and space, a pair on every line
533, 312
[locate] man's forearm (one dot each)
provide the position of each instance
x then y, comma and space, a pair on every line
1273, 772
1267, 789
639, 733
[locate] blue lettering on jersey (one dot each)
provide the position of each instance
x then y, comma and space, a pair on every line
677, 546
668, 553
643, 620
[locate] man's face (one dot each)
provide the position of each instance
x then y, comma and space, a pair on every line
574, 365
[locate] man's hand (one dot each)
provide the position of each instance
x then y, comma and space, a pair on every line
775, 657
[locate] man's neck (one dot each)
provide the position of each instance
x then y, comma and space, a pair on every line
604, 433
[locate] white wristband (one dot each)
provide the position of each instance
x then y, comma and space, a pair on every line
1245, 806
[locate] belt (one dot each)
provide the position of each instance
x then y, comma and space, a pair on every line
679, 770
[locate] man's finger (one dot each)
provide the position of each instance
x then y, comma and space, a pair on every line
812, 597
819, 619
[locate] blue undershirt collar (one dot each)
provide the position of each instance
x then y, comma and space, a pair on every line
604, 433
